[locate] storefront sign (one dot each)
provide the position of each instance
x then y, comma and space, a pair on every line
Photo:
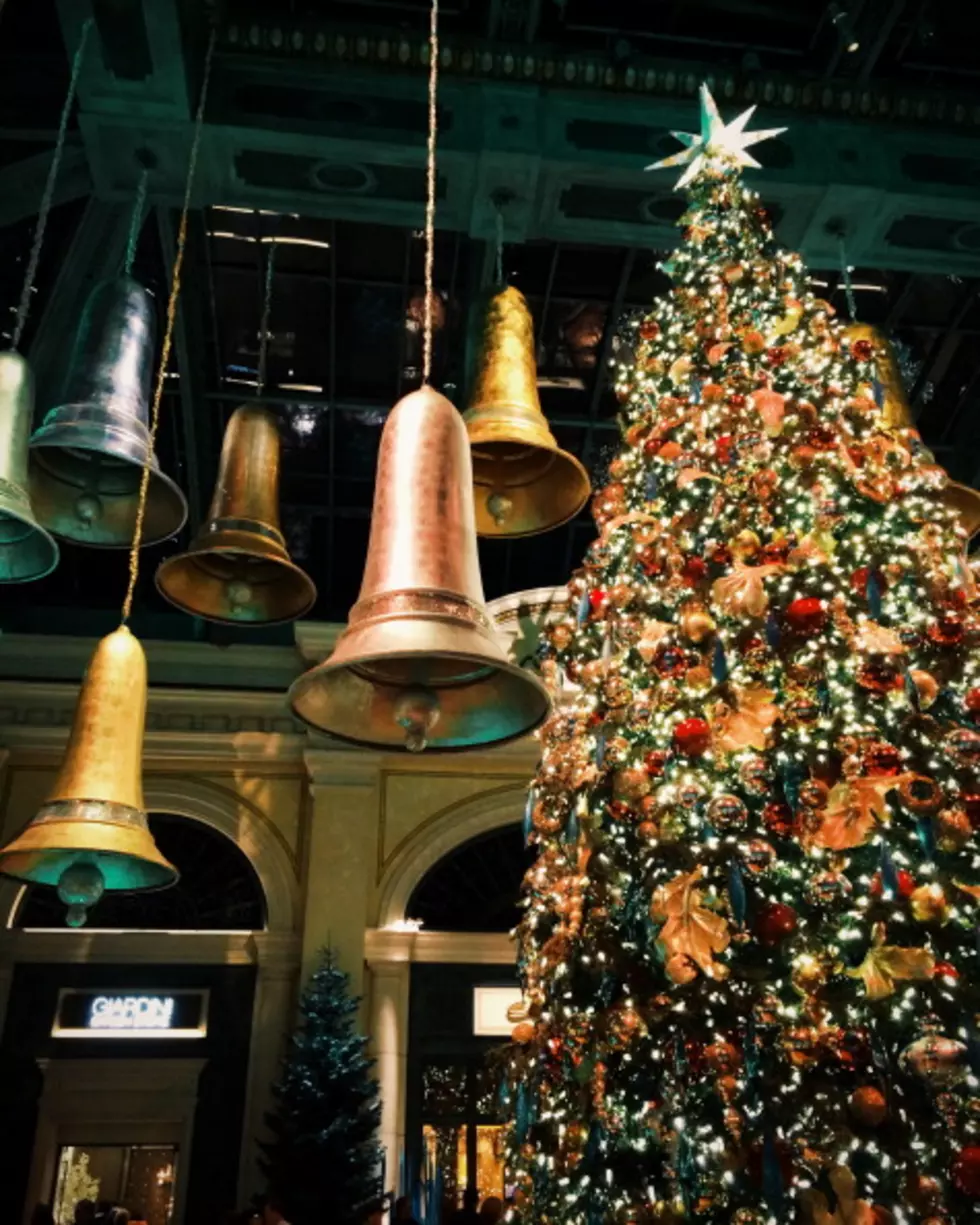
117, 1014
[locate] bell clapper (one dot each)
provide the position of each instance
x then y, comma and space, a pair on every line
417, 711
80, 886
500, 507
88, 508
239, 594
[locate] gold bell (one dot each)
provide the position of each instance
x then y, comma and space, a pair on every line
897, 417
419, 664
523, 481
27, 552
238, 569
91, 833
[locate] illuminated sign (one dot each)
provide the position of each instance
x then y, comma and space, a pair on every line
131, 1012
149, 1014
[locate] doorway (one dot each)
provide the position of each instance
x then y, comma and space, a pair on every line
138, 1177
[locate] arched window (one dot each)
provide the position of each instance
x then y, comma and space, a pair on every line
476, 887
218, 889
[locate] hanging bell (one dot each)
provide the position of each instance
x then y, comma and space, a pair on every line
91, 834
88, 454
238, 569
897, 417
523, 481
27, 552
419, 664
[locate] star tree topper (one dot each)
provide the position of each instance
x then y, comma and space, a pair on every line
718, 145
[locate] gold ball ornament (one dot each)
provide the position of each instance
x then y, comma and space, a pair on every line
745, 545
868, 1105
696, 623
631, 784
561, 635
523, 1032
928, 904
953, 829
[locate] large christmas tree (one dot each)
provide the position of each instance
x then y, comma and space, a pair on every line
324, 1163
750, 949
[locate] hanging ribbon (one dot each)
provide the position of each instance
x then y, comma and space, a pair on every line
845, 269
168, 336
430, 190
27, 291
136, 221
270, 265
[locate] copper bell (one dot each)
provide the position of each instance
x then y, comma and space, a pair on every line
27, 552
897, 417
238, 569
419, 664
91, 833
523, 481
88, 455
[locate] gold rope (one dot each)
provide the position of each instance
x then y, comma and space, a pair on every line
430, 193
168, 335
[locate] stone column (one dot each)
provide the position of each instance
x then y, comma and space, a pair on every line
342, 857
390, 980
273, 1013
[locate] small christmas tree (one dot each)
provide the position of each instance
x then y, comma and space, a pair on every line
324, 1162
750, 949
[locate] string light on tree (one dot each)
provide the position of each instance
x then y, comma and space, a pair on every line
748, 948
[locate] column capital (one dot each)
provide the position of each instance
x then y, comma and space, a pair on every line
341, 767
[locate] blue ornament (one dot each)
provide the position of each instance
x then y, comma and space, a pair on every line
773, 635
911, 689
651, 485
599, 752
736, 892
879, 392
582, 611
889, 873
927, 837
528, 810
719, 664
772, 1174
872, 589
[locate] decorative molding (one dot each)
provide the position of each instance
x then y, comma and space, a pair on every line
315, 640
439, 835
384, 947
342, 766
246, 666
93, 947
596, 72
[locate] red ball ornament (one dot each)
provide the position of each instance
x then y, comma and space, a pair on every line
883, 759
649, 329
777, 355
947, 630
725, 444
945, 969
965, 1170
775, 922
651, 562
868, 1105
778, 818
598, 599
971, 802
652, 447
655, 762
906, 884
806, 615
859, 580
692, 737
695, 571
972, 702
863, 350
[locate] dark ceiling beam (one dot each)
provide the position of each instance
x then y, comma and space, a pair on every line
942, 349
886, 26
